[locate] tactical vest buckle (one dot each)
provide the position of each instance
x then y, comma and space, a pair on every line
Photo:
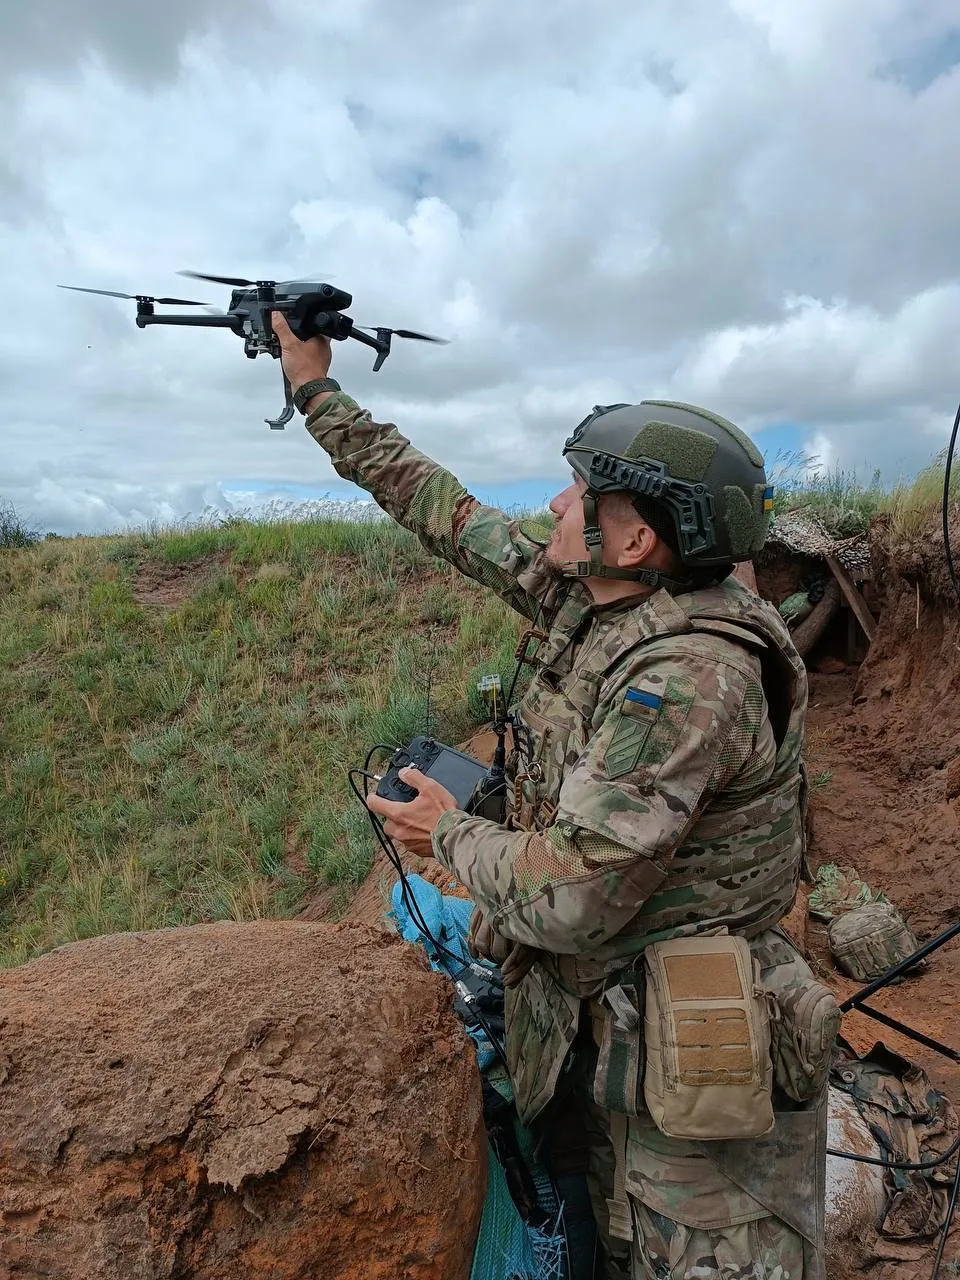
531, 633
546, 813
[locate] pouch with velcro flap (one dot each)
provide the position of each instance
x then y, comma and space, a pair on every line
708, 1074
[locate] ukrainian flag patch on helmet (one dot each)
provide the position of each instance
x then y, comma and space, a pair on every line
768, 499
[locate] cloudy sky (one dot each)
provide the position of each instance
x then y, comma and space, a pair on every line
747, 204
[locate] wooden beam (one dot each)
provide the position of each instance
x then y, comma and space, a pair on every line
746, 575
853, 597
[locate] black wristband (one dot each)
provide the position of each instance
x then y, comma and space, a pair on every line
311, 389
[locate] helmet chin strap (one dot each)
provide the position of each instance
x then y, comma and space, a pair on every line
595, 568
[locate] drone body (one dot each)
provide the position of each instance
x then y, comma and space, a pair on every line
311, 310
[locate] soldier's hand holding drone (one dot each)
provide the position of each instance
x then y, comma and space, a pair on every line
302, 361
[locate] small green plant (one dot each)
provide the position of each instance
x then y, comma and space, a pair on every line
13, 531
819, 781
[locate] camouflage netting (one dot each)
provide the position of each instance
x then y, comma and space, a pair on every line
804, 534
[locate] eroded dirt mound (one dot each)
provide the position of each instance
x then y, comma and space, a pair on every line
168, 585
892, 741
274, 1099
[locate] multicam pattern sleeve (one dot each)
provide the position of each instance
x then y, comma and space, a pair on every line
483, 543
673, 729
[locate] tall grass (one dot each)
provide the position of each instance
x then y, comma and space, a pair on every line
168, 763
846, 506
14, 531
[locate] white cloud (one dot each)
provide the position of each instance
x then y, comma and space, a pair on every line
748, 205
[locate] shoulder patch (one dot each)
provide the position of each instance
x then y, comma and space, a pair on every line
634, 698
639, 709
649, 722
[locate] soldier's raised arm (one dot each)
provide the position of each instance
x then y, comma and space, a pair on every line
480, 541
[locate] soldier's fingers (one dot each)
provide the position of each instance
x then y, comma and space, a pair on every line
282, 330
381, 806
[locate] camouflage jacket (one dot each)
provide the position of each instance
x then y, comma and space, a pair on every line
650, 795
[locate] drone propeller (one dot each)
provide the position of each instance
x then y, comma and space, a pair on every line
404, 333
133, 297
231, 280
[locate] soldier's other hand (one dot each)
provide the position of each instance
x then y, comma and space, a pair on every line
412, 821
483, 940
485, 943
517, 964
302, 361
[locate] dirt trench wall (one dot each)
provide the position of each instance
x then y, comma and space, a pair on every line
279, 1099
892, 806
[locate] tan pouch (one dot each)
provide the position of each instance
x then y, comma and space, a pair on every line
708, 1074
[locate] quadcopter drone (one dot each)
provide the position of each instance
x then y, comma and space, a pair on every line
311, 310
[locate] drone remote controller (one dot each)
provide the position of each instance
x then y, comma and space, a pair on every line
460, 774
311, 310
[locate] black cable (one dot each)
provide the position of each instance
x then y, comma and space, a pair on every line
409, 901
388, 847
946, 1226
891, 1164
946, 504
413, 907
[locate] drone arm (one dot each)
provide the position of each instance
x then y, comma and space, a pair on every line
198, 322
380, 344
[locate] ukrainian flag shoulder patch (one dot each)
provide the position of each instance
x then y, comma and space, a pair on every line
643, 698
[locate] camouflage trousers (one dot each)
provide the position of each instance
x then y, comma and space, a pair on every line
669, 1187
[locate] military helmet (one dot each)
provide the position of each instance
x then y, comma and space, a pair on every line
703, 473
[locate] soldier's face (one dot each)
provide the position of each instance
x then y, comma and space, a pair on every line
567, 544
627, 540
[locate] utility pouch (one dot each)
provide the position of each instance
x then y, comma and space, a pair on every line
618, 1034
709, 1071
804, 1035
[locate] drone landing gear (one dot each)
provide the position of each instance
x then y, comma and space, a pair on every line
278, 423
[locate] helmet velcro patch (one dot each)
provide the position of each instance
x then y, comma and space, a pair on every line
741, 437
686, 454
742, 523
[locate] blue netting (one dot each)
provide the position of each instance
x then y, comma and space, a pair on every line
506, 1249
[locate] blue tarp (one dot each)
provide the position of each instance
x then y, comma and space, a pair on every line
506, 1249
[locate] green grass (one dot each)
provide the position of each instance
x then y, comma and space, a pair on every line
14, 532
170, 764
846, 505
165, 764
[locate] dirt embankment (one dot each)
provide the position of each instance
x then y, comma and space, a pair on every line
888, 736
272, 1099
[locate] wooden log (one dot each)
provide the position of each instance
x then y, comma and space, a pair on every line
806, 635
853, 597
746, 575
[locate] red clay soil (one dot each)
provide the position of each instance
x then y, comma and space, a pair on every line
267, 1100
889, 736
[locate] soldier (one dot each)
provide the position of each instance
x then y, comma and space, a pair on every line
654, 826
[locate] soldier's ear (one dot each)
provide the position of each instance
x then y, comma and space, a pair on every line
638, 545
